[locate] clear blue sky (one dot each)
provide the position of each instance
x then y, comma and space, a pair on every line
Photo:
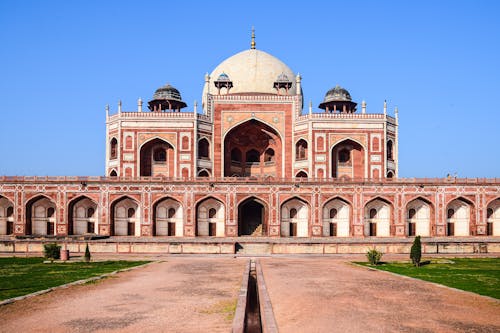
61, 62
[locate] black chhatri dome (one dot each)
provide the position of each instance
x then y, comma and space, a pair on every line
338, 99
166, 97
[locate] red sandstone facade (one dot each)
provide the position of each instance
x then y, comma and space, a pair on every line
252, 163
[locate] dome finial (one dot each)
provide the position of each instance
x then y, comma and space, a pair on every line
252, 45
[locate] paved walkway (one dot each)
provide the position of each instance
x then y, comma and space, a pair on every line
331, 295
308, 294
178, 295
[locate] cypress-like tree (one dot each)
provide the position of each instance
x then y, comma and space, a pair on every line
86, 257
416, 252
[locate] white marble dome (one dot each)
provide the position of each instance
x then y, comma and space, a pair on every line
252, 71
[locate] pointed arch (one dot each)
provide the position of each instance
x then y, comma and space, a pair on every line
348, 159
301, 148
83, 216
301, 174
459, 217
493, 217
246, 146
40, 216
113, 149
203, 149
419, 217
125, 217
336, 217
157, 157
168, 217
252, 217
295, 215
6, 216
203, 173
378, 217
209, 223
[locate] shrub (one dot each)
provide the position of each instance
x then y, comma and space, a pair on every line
52, 251
374, 256
86, 257
416, 252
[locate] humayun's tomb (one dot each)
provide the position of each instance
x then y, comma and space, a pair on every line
250, 165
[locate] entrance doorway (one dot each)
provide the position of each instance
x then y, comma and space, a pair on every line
251, 219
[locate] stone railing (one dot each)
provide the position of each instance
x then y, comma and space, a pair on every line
268, 180
325, 115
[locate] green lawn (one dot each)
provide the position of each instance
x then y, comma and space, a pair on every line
481, 276
21, 276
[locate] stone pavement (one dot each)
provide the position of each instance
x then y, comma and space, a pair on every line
178, 295
308, 294
331, 295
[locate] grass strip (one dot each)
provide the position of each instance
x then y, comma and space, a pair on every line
478, 275
21, 276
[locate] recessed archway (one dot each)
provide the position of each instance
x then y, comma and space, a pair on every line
6, 216
125, 217
82, 216
458, 217
40, 216
295, 218
378, 218
418, 218
252, 218
168, 218
348, 160
493, 218
336, 216
252, 148
157, 158
210, 217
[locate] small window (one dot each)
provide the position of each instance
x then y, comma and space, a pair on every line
10, 211
212, 213
301, 174
293, 213
171, 213
411, 213
451, 213
333, 213
131, 213
203, 149
50, 212
160, 155
113, 150
489, 213
390, 174
90, 212
113, 173
389, 151
373, 213
301, 150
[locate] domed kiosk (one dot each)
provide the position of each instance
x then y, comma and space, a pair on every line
338, 99
166, 98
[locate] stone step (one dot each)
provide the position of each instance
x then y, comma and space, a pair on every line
254, 248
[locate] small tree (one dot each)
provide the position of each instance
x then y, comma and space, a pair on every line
374, 256
86, 257
416, 252
52, 251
